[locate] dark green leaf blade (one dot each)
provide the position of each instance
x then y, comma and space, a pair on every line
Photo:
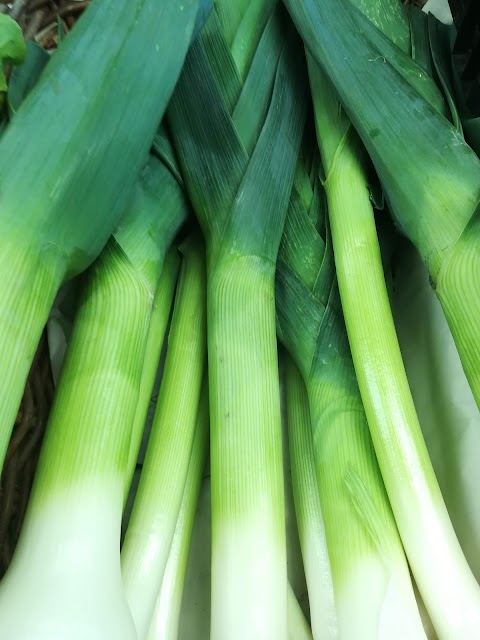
269, 178
211, 155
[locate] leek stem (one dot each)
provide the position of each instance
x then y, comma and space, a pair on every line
362, 538
448, 587
311, 527
249, 594
445, 405
363, 542
409, 478
433, 194
165, 621
155, 511
159, 318
70, 536
240, 199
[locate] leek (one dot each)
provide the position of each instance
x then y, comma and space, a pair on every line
159, 318
195, 613
238, 172
430, 176
59, 208
362, 539
67, 563
308, 509
165, 621
448, 414
295, 568
411, 484
158, 499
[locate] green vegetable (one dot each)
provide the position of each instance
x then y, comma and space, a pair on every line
70, 157
162, 305
237, 142
411, 484
158, 499
448, 414
363, 543
67, 563
308, 509
430, 176
165, 620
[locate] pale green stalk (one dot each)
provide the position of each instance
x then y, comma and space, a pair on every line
295, 567
412, 487
308, 509
426, 620
165, 620
373, 591
248, 524
157, 503
162, 305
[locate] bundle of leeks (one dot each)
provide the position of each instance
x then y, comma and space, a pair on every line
256, 233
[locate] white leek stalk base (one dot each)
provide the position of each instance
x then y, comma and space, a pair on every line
457, 613
389, 595
319, 581
65, 581
243, 577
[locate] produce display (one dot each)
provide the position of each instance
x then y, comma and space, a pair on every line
240, 320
